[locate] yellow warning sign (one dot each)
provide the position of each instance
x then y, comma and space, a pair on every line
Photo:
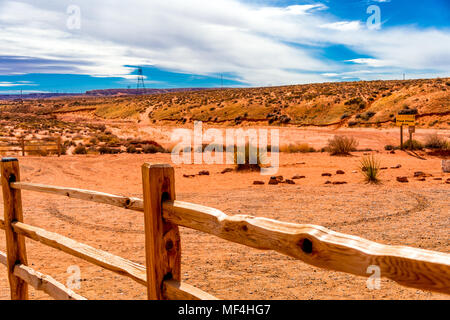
406, 120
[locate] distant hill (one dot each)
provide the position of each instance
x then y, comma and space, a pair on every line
340, 104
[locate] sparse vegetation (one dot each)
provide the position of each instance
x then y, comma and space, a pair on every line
412, 145
341, 145
242, 159
297, 148
370, 168
434, 141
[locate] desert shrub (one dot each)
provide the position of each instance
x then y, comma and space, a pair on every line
107, 150
367, 115
390, 147
407, 110
80, 149
412, 145
341, 145
131, 149
370, 168
150, 148
246, 165
434, 141
297, 148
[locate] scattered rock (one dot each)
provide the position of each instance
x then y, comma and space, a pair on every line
384, 168
340, 172
328, 182
203, 173
421, 179
189, 175
258, 182
326, 174
447, 181
446, 166
280, 178
226, 170
298, 177
402, 179
355, 171
397, 166
392, 152
339, 182
418, 174
290, 181
438, 179
273, 181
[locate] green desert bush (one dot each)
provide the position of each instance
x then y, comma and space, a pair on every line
370, 168
341, 145
80, 149
412, 145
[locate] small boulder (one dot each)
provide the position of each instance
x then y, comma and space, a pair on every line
446, 166
226, 170
339, 182
273, 181
438, 179
340, 172
326, 174
258, 182
397, 166
280, 178
189, 175
384, 168
402, 179
392, 152
421, 179
328, 182
203, 173
297, 177
290, 181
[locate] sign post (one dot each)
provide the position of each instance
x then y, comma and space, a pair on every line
408, 120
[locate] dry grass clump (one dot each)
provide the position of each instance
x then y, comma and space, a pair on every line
297, 148
370, 168
434, 141
341, 145
242, 159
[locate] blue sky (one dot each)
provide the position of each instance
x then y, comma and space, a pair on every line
74, 46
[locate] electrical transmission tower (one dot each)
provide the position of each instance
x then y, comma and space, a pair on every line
140, 83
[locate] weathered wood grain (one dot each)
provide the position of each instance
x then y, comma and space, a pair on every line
318, 246
42, 282
93, 196
162, 238
174, 290
96, 256
15, 244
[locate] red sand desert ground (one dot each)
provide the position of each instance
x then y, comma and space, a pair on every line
414, 214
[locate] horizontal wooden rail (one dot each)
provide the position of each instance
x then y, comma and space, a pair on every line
172, 289
94, 196
318, 246
42, 282
408, 266
98, 257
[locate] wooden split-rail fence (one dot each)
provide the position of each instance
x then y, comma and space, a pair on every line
23, 146
163, 214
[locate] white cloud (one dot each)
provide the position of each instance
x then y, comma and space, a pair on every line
260, 44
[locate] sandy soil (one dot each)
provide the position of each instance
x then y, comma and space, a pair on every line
414, 214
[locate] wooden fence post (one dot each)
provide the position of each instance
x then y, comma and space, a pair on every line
59, 146
15, 244
162, 239
22, 145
